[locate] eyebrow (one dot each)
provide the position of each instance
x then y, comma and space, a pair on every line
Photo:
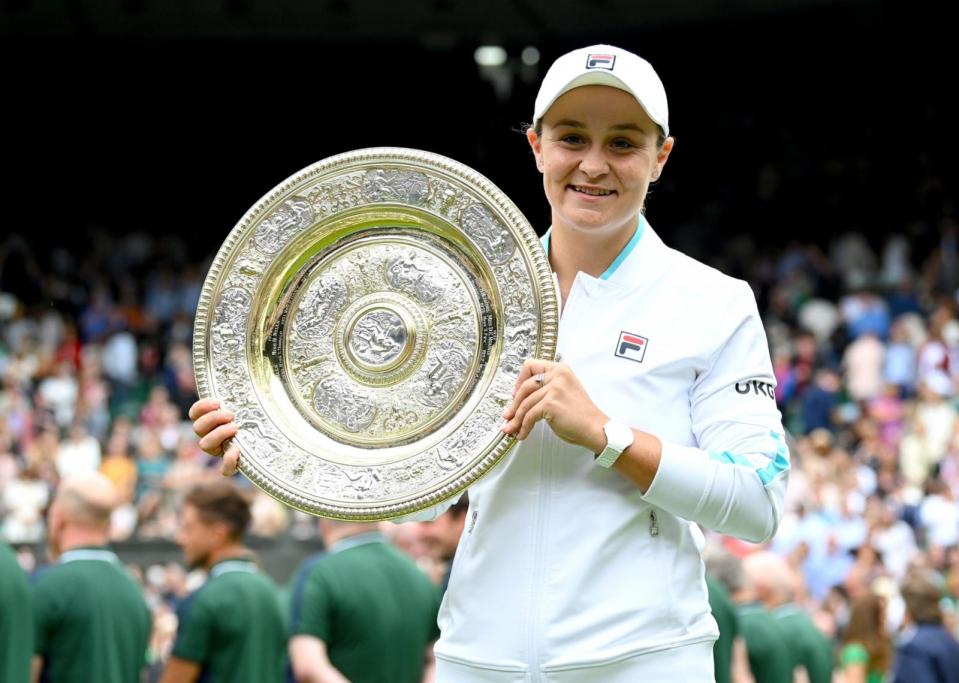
571, 123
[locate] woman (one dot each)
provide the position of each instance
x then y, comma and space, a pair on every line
866, 649
581, 560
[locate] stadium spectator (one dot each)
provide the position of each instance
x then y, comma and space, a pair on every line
926, 652
866, 650
361, 612
232, 629
771, 659
92, 623
79, 453
730, 661
775, 585
442, 535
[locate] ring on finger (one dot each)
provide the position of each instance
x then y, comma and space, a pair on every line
540, 378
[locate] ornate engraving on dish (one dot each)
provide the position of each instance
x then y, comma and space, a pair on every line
404, 274
493, 240
349, 407
520, 339
230, 320
446, 367
336, 195
286, 220
378, 337
404, 187
316, 313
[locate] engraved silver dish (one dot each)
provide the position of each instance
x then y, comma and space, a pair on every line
366, 321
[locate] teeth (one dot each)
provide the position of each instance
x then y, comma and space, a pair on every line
591, 191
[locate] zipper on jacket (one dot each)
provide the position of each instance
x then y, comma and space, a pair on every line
535, 630
472, 525
653, 524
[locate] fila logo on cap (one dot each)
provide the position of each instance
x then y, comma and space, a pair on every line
600, 62
631, 346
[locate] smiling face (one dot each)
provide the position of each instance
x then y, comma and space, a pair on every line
598, 152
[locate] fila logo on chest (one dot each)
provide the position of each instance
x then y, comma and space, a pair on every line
631, 346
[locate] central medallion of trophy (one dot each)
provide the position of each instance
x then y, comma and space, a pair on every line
384, 339
378, 339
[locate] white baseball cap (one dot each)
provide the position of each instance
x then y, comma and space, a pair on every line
604, 65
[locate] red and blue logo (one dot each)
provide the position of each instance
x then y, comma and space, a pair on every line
631, 346
600, 62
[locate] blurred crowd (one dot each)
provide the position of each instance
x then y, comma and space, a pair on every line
96, 368
97, 374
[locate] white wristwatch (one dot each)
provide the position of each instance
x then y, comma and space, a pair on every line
619, 437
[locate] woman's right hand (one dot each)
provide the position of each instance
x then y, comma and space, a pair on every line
214, 426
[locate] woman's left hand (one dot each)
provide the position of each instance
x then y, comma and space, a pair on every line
550, 391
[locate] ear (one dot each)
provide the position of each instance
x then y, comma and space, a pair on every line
537, 146
221, 533
662, 155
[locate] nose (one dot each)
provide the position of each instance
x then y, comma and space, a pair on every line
594, 163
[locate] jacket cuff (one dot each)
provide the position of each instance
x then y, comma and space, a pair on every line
680, 481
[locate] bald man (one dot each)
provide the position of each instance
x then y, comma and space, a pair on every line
770, 659
775, 584
92, 623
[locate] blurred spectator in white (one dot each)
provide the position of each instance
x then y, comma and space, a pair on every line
936, 412
24, 499
863, 363
820, 317
119, 359
79, 453
59, 393
893, 538
939, 515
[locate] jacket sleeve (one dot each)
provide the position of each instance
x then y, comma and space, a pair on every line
734, 480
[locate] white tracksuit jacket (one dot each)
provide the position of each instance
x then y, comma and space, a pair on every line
564, 565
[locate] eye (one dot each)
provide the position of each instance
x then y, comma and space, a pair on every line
572, 139
623, 144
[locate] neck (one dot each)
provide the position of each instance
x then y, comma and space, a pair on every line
572, 251
231, 550
337, 533
78, 537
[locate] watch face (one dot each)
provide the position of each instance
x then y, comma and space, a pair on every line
619, 436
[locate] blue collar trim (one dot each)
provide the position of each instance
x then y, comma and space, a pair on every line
618, 261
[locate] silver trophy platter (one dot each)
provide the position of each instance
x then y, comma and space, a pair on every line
366, 321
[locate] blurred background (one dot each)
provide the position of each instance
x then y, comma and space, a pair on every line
815, 157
